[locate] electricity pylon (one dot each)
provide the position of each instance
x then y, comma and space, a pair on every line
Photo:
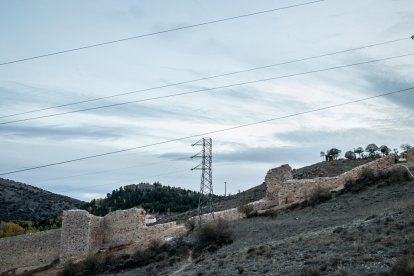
206, 186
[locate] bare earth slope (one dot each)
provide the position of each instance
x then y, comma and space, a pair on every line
20, 201
358, 233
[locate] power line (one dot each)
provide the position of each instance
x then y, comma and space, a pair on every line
206, 78
120, 183
210, 132
113, 170
203, 90
159, 32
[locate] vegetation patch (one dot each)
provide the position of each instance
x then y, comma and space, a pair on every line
157, 256
212, 235
403, 267
159, 198
17, 227
369, 178
247, 210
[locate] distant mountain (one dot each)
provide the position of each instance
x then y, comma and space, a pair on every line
19, 201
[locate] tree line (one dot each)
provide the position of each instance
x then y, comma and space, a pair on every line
161, 199
370, 151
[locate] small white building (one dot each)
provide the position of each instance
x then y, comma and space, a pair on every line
150, 219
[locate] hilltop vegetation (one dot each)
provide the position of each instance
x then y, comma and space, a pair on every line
163, 199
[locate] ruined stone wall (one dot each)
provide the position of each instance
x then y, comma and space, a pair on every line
123, 227
29, 251
229, 215
274, 178
282, 189
81, 235
164, 231
409, 155
84, 234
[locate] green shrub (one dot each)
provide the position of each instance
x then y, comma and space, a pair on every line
190, 225
93, 265
246, 209
213, 235
399, 174
272, 213
310, 272
318, 196
404, 266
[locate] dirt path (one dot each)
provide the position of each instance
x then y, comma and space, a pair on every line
185, 265
410, 168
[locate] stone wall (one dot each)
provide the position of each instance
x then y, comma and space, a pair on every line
409, 155
272, 180
164, 231
123, 227
229, 215
282, 189
81, 235
84, 234
29, 251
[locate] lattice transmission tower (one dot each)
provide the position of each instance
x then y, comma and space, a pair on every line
205, 201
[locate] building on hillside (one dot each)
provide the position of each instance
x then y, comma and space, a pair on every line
141, 186
150, 219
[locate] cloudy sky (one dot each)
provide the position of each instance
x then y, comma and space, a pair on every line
241, 156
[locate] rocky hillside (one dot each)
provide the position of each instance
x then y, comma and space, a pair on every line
19, 201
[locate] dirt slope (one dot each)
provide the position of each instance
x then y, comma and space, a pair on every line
356, 233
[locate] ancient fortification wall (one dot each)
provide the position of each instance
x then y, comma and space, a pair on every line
409, 155
29, 251
123, 227
229, 215
83, 234
282, 189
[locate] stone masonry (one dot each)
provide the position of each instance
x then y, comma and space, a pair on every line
283, 190
80, 236
84, 234
29, 251
409, 155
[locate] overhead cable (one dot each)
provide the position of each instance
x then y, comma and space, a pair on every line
210, 132
158, 32
205, 78
204, 90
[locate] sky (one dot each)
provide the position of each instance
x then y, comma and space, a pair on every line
241, 157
